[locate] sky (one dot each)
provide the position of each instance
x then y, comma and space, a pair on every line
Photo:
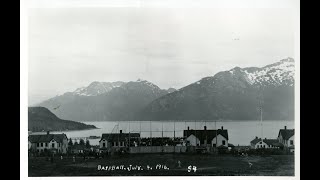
170, 47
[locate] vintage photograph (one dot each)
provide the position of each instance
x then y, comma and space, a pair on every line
155, 91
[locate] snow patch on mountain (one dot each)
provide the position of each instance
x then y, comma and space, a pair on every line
278, 73
97, 88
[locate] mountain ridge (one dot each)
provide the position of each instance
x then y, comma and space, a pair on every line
228, 95
129, 97
232, 95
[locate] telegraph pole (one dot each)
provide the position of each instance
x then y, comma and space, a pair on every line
118, 134
150, 133
140, 137
215, 125
162, 130
174, 130
195, 131
162, 135
129, 136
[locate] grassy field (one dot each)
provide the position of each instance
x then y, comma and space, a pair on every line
212, 165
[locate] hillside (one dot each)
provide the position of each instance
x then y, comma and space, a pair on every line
98, 103
234, 94
41, 119
231, 95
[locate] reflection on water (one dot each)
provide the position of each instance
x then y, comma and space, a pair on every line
240, 132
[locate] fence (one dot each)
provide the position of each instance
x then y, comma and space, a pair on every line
158, 149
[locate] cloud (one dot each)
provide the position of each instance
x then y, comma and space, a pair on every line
69, 48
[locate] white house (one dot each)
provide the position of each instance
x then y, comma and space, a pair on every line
213, 138
259, 143
220, 140
55, 143
192, 140
286, 137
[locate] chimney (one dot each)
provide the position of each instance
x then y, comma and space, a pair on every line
205, 127
285, 127
188, 128
256, 137
221, 127
48, 132
120, 131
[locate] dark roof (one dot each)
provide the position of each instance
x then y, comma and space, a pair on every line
286, 133
47, 138
230, 145
203, 134
119, 136
278, 144
274, 142
271, 141
255, 140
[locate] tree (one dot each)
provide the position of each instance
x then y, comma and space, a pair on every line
88, 144
70, 143
81, 142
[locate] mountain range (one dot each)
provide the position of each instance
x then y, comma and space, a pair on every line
102, 101
236, 94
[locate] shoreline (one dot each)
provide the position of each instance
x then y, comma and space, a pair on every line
190, 121
31, 132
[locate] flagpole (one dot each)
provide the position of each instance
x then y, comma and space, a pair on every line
261, 98
261, 122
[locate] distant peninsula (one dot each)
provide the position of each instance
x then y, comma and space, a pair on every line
41, 119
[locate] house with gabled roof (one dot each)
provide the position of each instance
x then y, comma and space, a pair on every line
205, 137
118, 140
55, 143
259, 143
286, 137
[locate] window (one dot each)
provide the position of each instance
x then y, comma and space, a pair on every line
58, 144
38, 144
291, 142
52, 145
46, 144
41, 144
223, 142
260, 142
103, 144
